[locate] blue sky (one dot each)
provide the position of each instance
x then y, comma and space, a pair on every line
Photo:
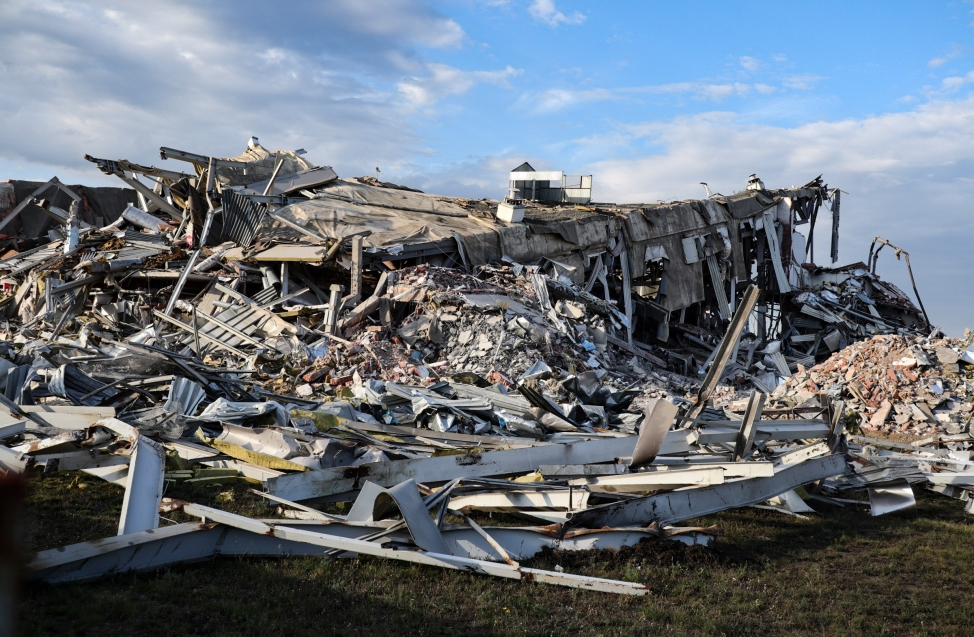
609, 64
649, 97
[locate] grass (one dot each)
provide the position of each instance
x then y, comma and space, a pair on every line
839, 573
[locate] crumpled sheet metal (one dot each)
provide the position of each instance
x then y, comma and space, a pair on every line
669, 508
364, 547
196, 541
250, 456
374, 501
658, 417
265, 441
329, 482
190, 542
347, 208
221, 410
184, 396
891, 497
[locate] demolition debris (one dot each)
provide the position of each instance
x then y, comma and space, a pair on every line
603, 372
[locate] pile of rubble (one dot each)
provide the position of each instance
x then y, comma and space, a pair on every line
911, 399
915, 386
182, 341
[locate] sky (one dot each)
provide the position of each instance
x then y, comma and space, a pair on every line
651, 98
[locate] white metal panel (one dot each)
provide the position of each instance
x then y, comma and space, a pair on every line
140, 506
653, 480
578, 195
512, 501
539, 175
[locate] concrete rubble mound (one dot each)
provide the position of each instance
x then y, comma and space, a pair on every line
603, 372
904, 385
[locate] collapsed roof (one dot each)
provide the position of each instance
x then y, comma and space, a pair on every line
673, 268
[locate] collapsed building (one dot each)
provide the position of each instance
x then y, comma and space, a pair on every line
604, 370
676, 270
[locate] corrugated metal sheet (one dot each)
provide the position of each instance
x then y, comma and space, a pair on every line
146, 240
184, 396
265, 296
136, 252
241, 217
245, 319
27, 260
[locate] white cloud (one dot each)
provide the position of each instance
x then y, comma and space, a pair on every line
802, 82
957, 51
554, 100
118, 79
749, 63
444, 80
546, 11
475, 178
953, 83
908, 175
887, 148
346, 27
715, 92
398, 19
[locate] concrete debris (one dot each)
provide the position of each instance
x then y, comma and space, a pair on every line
895, 385
603, 371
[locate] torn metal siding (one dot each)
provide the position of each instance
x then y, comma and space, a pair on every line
336, 481
257, 165
672, 507
406, 219
666, 227
387, 222
241, 218
529, 242
709, 222
288, 183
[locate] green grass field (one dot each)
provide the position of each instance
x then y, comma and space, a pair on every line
839, 573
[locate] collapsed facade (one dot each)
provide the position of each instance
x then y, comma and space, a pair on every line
600, 369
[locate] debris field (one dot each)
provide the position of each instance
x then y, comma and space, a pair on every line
603, 372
